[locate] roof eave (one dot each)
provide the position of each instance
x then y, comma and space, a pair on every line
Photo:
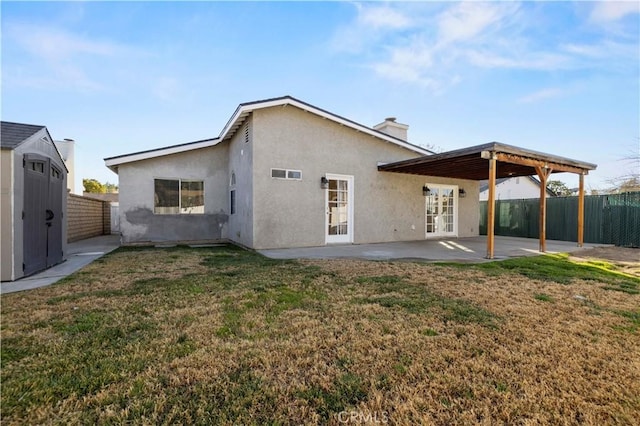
113, 162
244, 110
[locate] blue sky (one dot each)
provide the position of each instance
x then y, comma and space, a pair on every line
119, 77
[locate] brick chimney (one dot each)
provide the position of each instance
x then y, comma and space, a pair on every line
391, 128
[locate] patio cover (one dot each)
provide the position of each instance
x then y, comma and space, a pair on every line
497, 160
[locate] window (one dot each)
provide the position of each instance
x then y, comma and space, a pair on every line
232, 201
175, 196
286, 174
36, 166
294, 174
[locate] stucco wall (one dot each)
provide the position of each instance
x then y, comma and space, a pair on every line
139, 224
387, 206
6, 216
241, 164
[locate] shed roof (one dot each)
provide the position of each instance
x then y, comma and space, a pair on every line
13, 134
471, 163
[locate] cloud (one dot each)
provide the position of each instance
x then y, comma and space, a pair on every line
64, 59
55, 44
372, 22
539, 61
467, 20
609, 11
436, 45
548, 93
383, 17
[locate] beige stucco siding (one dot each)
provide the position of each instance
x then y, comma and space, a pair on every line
290, 213
241, 165
139, 224
6, 214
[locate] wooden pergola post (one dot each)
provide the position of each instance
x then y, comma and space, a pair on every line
581, 211
543, 174
491, 206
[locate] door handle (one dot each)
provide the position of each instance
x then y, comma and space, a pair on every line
50, 215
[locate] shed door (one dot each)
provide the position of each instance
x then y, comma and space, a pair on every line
36, 198
42, 214
53, 216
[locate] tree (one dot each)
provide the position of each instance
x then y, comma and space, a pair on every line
559, 188
630, 180
110, 188
93, 186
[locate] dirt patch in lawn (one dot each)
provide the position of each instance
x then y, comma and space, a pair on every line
220, 335
626, 259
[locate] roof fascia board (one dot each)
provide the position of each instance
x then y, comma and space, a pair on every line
247, 108
57, 151
244, 109
146, 155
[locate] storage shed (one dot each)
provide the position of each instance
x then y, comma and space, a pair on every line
33, 195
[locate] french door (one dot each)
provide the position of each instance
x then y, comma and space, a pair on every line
441, 211
339, 209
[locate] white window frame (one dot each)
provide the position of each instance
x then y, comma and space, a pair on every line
180, 180
286, 173
441, 233
349, 236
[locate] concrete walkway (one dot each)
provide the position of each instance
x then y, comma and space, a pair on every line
79, 254
472, 249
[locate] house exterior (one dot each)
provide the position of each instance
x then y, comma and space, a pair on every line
514, 188
33, 197
66, 148
284, 173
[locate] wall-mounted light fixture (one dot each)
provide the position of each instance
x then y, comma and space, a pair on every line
426, 191
324, 182
462, 193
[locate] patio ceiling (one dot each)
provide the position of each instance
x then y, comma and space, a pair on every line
471, 163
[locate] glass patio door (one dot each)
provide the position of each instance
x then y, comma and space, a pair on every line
339, 205
441, 211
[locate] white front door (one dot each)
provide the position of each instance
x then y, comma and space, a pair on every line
441, 212
339, 209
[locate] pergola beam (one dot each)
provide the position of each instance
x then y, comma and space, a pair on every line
525, 161
469, 163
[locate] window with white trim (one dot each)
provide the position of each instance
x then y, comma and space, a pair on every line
178, 196
286, 174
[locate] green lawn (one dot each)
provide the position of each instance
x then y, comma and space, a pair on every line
222, 335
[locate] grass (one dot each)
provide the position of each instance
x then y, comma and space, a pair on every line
222, 335
559, 268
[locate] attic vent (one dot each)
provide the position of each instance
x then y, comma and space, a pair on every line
246, 133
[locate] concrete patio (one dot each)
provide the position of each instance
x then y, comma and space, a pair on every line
472, 249
80, 254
